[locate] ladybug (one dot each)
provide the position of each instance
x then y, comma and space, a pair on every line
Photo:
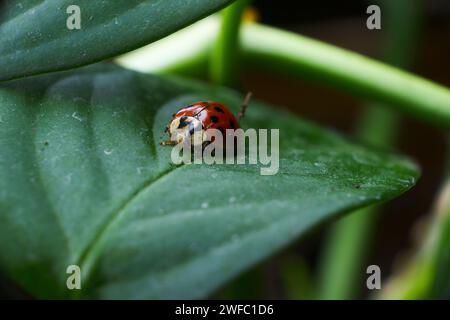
191, 122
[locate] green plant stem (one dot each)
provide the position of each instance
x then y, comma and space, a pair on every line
441, 262
224, 65
340, 272
281, 51
267, 48
296, 278
344, 257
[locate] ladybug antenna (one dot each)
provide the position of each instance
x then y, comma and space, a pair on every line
244, 106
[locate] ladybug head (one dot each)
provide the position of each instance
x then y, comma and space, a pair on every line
184, 128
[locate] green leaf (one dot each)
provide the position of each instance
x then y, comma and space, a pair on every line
35, 38
84, 181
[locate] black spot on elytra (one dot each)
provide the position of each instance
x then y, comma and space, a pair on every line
218, 109
214, 119
232, 124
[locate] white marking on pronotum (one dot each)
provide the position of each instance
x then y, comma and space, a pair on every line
107, 152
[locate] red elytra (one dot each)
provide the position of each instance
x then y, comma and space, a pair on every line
212, 115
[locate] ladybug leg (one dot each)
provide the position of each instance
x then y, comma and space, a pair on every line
244, 106
167, 143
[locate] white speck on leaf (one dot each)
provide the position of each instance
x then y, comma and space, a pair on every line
140, 169
232, 200
205, 205
68, 178
107, 152
76, 116
143, 131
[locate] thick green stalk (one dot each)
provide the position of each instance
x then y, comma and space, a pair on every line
345, 254
296, 278
267, 48
281, 51
441, 281
225, 56
340, 269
